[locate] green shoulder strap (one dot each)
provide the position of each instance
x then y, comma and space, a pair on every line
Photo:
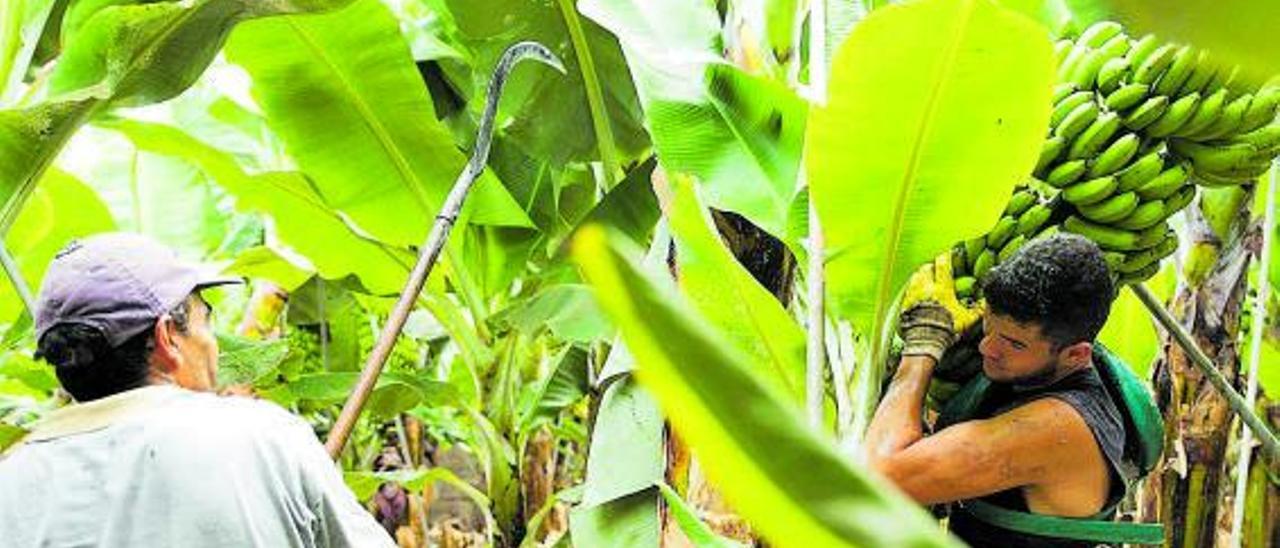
1144, 426
1094, 530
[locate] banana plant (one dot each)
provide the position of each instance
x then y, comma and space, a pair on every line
899, 150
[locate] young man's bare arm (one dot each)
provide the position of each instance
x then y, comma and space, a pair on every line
898, 421
1041, 444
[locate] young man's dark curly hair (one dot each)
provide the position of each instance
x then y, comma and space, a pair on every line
1060, 283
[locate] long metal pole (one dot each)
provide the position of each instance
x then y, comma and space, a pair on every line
1270, 446
434, 244
15, 277
1255, 354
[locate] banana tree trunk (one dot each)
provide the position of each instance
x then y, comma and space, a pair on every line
1183, 492
1261, 527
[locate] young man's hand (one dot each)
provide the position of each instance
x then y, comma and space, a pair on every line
932, 315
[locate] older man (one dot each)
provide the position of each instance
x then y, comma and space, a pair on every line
148, 456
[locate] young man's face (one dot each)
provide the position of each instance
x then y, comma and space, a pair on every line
198, 347
1014, 352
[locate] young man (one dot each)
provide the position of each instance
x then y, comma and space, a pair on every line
148, 456
1049, 439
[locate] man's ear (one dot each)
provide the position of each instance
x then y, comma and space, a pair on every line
165, 356
1077, 354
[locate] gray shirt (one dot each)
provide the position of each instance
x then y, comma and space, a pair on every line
164, 466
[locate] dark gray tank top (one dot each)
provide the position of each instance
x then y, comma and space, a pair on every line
1084, 392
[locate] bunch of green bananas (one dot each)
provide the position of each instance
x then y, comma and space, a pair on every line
1134, 123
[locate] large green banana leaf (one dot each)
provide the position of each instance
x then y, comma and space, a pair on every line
751, 318
342, 92
741, 135
1238, 31
936, 109
164, 197
20, 25
742, 141
123, 55
302, 218
755, 447
548, 113
60, 209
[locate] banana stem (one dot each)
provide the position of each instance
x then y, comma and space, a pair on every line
815, 361
434, 244
816, 350
1255, 356
15, 277
595, 97
1270, 446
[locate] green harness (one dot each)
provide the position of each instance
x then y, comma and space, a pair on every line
1144, 440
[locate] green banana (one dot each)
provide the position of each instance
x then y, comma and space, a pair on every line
1142, 49
1183, 61
1139, 275
1098, 33
1231, 119
1175, 117
1164, 184
1223, 79
1220, 158
972, 249
1213, 180
1144, 216
1077, 120
1264, 139
1112, 209
1085, 71
1094, 137
1001, 233
1091, 191
1201, 73
1112, 73
1073, 59
1108, 238
1113, 259
1155, 65
1206, 114
1066, 173
1060, 50
1049, 152
1115, 156
1140, 171
959, 263
1010, 248
1116, 46
1064, 107
1262, 110
1032, 219
1145, 263
1127, 96
1021, 200
985, 261
1146, 113
965, 286
1062, 90
1152, 236
1179, 200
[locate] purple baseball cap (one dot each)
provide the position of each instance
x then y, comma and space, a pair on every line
119, 283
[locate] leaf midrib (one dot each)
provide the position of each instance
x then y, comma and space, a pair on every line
375, 126
895, 229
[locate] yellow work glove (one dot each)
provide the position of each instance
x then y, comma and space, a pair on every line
932, 315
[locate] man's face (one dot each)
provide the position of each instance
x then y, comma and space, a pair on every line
1015, 352
198, 367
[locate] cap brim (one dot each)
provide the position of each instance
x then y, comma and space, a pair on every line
215, 281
